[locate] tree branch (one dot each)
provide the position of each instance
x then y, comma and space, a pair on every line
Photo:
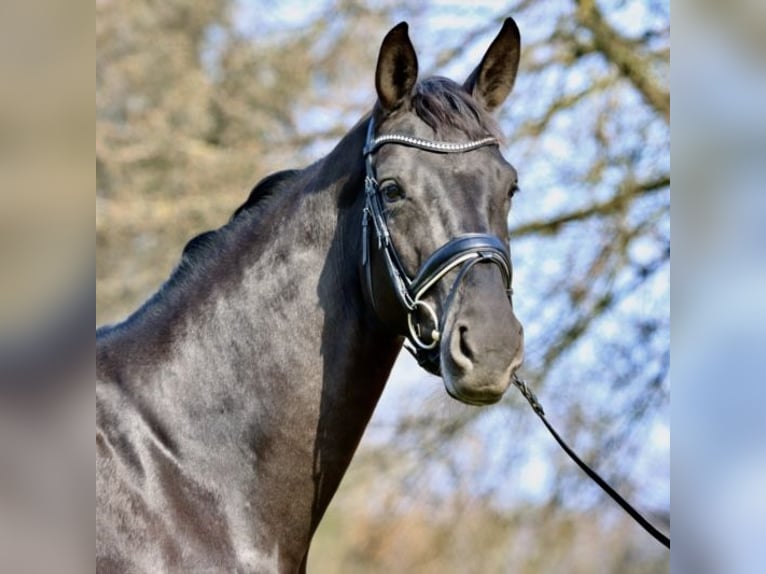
535, 127
622, 53
628, 192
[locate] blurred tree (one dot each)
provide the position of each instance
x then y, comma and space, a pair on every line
194, 104
196, 101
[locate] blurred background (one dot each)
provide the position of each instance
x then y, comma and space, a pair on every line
196, 101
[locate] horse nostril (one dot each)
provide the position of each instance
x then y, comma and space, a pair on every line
460, 350
465, 348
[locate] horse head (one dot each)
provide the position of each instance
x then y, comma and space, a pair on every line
438, 193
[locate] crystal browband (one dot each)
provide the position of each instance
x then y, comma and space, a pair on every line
435, 146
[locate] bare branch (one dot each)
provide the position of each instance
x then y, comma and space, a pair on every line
627, 193
623, 54
537, 126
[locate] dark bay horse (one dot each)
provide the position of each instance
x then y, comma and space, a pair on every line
230, 404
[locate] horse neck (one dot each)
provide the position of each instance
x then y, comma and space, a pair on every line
277, 370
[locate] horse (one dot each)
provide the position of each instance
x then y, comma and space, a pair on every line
230, 404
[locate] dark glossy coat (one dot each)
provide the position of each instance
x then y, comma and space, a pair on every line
230, 404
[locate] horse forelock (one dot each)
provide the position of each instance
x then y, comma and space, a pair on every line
442, 103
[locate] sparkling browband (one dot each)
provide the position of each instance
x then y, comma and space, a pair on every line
435, 146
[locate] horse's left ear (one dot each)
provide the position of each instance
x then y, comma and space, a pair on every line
492, 80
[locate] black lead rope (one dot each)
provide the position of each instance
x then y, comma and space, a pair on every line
537, 407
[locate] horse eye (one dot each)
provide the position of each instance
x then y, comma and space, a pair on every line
514, 190
392, 192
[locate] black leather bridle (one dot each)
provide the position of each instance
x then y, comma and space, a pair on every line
461, 253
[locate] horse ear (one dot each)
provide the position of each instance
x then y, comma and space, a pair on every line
493, 79
397, 69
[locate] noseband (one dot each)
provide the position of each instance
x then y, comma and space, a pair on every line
462, 252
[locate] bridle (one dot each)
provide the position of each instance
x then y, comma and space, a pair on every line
461, 252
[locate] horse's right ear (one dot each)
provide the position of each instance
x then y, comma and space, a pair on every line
397, 69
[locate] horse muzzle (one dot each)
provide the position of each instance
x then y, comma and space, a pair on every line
484, 341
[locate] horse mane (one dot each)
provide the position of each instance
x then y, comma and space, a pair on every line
200, 245
209, 248
441, 102
264, 189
